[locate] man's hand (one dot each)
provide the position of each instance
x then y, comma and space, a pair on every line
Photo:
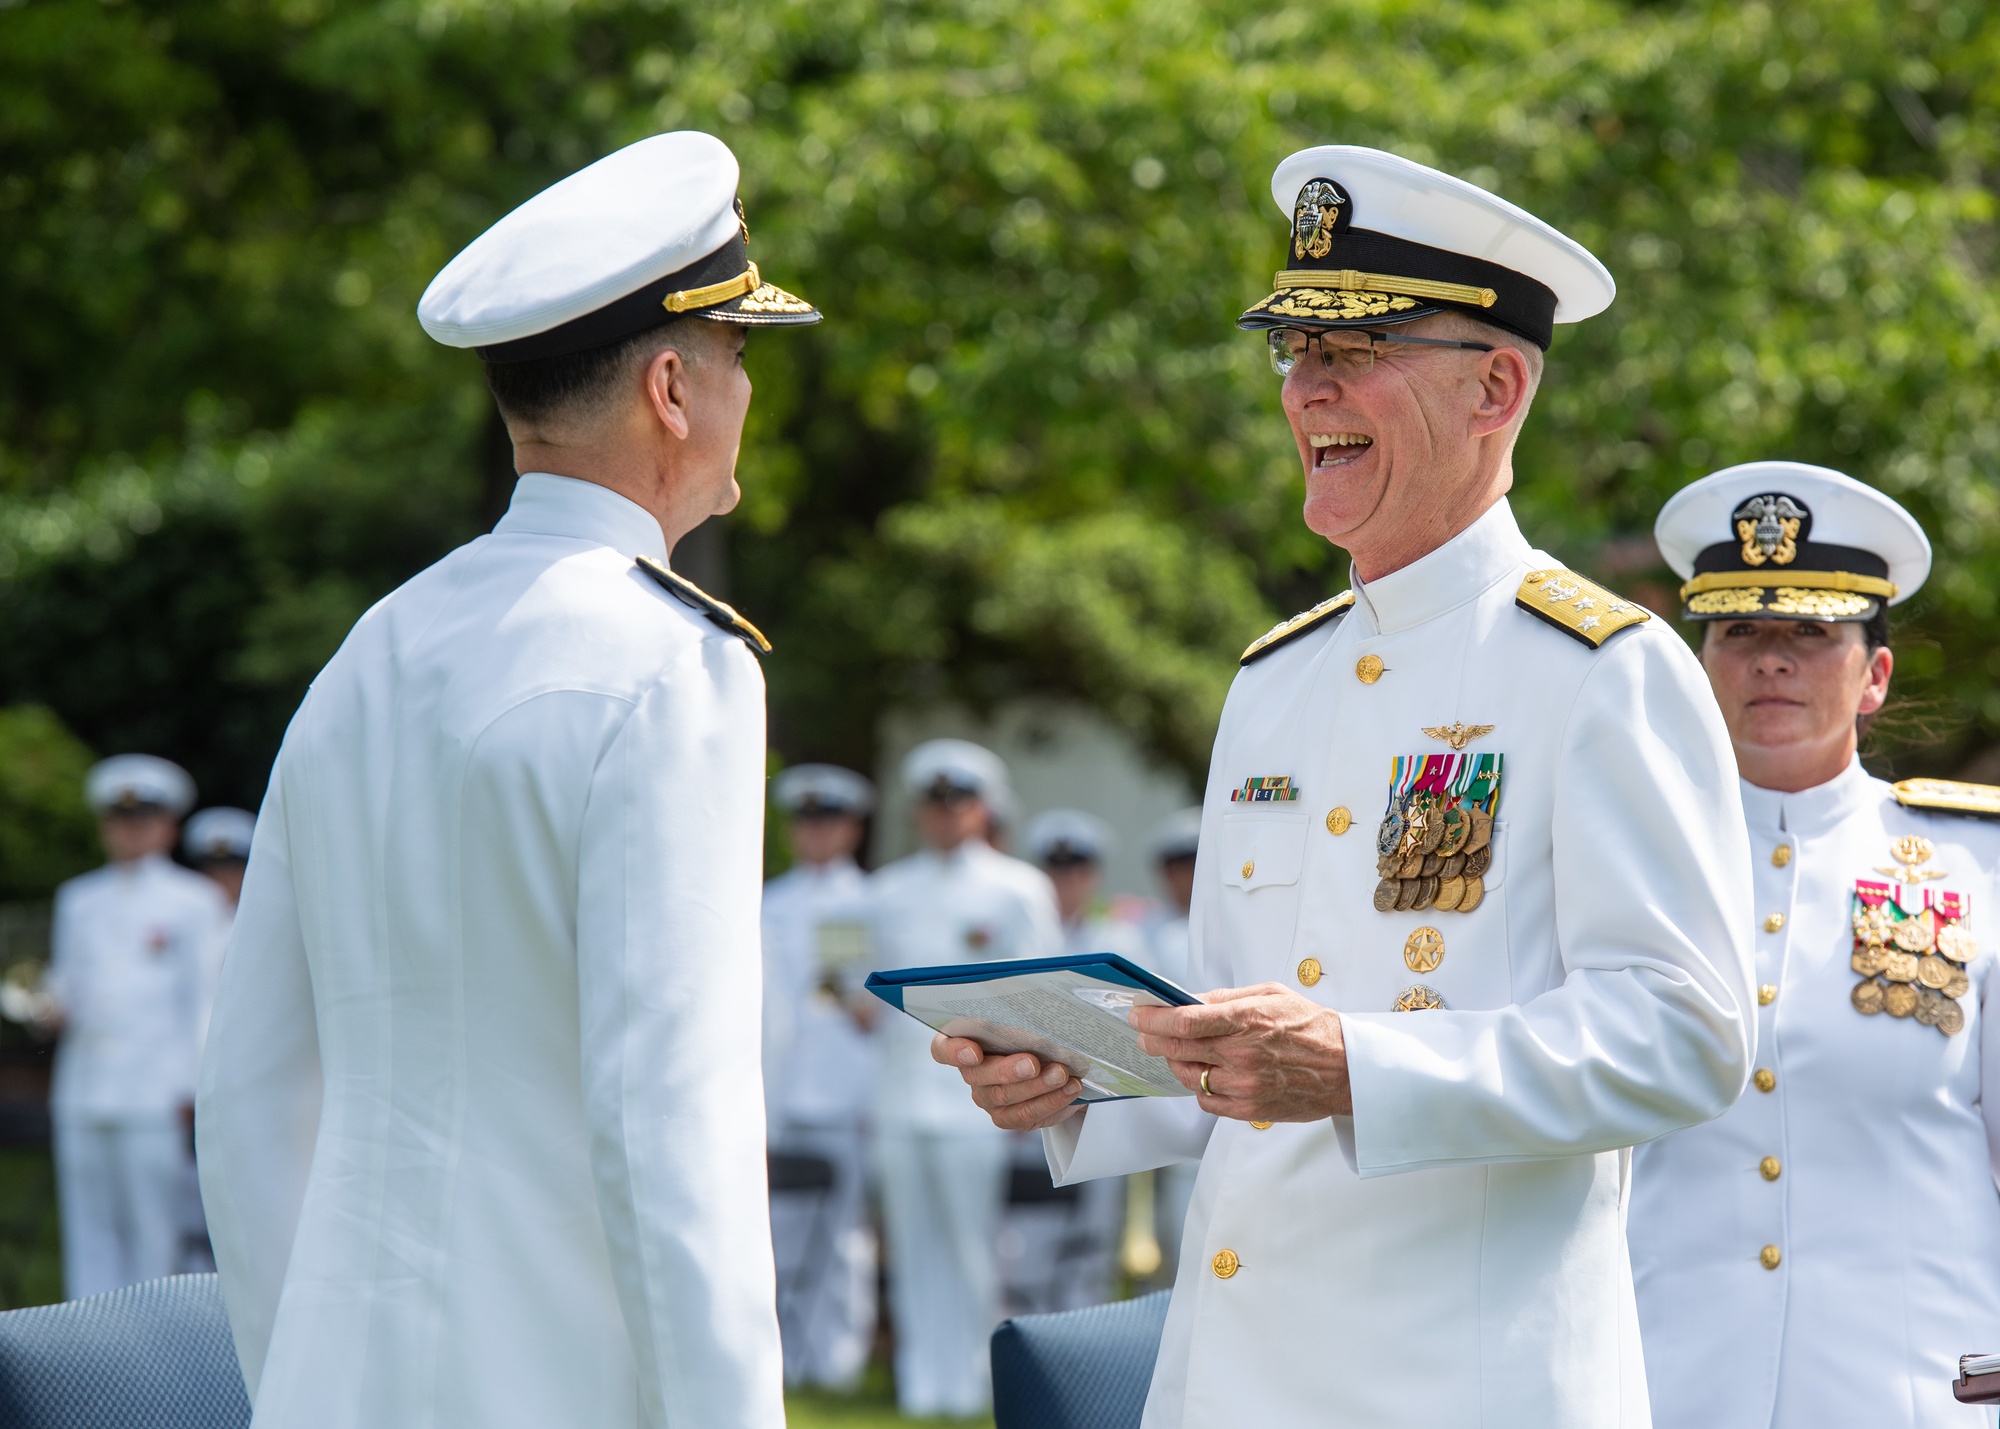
1270, 1054
1013, 1088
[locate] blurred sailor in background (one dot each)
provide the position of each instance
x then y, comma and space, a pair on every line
942, 1163
216, 842
130, 947
819, 1078
1175, 840
1070, 846
1824, 1251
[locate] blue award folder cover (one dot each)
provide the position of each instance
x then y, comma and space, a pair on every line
1069, 1010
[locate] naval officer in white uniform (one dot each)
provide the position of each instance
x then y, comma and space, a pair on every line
942, 1165
131, 947
1823, 1252
1470, 890
819, 1076
482, 1131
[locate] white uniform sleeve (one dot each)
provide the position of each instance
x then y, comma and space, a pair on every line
669, 972
257, 1110
58, 981
1042, 931
1989, 1064
1652, 1026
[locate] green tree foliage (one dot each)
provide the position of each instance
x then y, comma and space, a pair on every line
46, 831
1027, 450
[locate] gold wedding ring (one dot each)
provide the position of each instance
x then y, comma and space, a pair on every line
1204, 1083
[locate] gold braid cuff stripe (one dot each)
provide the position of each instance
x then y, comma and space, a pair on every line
1803, 580
1347, 280
745, 282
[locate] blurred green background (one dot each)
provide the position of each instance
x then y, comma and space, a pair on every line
1027, 451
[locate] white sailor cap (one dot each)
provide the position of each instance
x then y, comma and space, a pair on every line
1377, 239
1178, 835
1781, 540
1059, 836
822, 789
138, 783
940, 767
218, 833
642, 235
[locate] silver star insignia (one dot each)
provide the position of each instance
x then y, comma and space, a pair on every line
1589, 622
1585, 604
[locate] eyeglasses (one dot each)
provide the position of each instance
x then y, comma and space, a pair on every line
1346, 352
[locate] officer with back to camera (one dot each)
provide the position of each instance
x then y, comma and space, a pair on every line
819, 1075
131, 949
1824, 1251
942, 1163
1472, 907
482, 1133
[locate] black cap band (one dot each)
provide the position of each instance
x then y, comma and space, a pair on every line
630, 315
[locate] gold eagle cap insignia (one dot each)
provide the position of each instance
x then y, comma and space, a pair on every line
1458, 735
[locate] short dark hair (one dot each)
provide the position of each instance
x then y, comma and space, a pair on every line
1875, 629
575, 384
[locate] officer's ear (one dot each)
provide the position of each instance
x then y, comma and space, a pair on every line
1507, 382
668, 391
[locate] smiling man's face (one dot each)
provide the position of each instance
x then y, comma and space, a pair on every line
1790, 691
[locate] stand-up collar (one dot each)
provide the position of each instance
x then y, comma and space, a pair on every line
546, 505
1810, 811
1490, 550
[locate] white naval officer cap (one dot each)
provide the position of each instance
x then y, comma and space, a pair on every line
1178, 835
218, 833
138, 783
641, 236
822, 789
1781, 540
941, 767
1377, 239
1060, 836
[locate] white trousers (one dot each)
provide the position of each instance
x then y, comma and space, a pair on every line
825, 1249
941, 1200
121, 1188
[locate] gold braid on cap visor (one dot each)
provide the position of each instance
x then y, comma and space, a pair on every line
1802, 580
747, 281
1347, 280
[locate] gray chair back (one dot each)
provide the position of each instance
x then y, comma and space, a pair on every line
152, 1356
1079, 1369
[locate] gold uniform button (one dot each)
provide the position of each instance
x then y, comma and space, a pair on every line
1309, 971
1766, 1080
1769, 1168
1368, 669
1249, 868
1781, 855
1769, 1257
1767, 993
1225, 1264
1260, 1126
1774, 922
1339, 821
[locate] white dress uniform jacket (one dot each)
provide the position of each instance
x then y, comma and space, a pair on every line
482, 1135
1454, 1252
1882, 1215
819, 1067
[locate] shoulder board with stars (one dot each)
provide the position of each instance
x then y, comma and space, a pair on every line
1950, 796
1578, 607
721, 612
1286, 631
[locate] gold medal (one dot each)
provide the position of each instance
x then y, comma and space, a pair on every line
1433, 833
1959, 985
1433, 866
1412, 867
1899, 967
1406, 893
1423, 950
1933, 971
1913, 935
1450, 892
1866, 997
1869, 961
1457, 829
1477, 861
1386, 865
1899, 999
1929, 1001
1956, 942
1427, 892
1951, 1019
1454, 867
1385, 895
1475, 890
1482, 830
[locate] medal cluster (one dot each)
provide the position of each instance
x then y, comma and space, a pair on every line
1911, 945
1436, 840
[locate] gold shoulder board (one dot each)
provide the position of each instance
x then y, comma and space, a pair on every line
1286, 631
721, 612
1578, 607
1949, 796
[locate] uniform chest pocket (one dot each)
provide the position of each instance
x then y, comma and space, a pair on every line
1263, 850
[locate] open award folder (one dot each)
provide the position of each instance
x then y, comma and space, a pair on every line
1069, 1010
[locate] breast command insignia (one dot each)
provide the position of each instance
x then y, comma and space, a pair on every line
1417, 999
1577, 607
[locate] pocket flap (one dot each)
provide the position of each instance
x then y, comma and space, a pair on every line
1262, 850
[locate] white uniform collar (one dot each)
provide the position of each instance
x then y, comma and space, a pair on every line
1810, 811
546, 505
1490, 550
